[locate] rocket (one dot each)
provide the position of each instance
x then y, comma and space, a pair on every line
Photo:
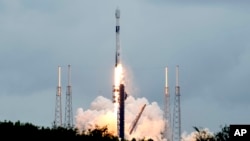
117, 30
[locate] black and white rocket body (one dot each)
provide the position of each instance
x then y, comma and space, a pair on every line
117, 30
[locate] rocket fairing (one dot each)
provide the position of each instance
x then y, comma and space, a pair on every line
117, 30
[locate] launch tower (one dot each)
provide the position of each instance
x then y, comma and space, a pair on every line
177, 110
168, 131
58, 108
121, 112
68, 107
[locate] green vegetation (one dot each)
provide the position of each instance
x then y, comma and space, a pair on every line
27, 131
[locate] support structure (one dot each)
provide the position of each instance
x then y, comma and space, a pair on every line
58, 108
167, 112
121, 112
177, 110
68, 107
136, 119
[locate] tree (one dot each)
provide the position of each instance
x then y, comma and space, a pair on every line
223, 135
203, 135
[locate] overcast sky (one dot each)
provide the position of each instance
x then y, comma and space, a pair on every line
209, 41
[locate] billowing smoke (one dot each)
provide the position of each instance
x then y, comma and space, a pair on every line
189, 137
101, 113
203, 134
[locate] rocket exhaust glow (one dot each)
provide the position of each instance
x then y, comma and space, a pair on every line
118, 66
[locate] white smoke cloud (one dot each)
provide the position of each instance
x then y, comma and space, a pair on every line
150, 125
100, 113
204, 134
189, 137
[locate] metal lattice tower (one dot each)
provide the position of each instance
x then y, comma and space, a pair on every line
167, 112
134, 123
68, 107
177, 110
58, 108
121, 112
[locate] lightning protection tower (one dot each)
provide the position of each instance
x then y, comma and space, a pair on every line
168, 131
58, 108
68, 107
177, 110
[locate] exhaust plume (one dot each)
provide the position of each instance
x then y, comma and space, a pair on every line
101, 113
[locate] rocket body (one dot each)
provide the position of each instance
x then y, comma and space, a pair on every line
117, 30
118, 67
119, 95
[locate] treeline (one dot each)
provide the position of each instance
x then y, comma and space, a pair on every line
27, 131
204, 135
